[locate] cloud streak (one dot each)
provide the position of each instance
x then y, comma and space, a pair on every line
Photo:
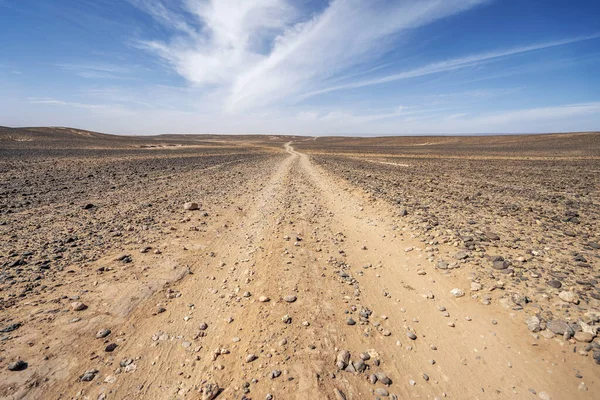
450, 65
265, 51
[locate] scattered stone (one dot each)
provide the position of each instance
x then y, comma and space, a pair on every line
290, 298
461, 255
342, 359
533, 324
559, 327
251, 357
500, 265
411, 335
263, 299
11, 328
569, 297
383, 378
382, 392
456, 292
210, 391
585, 337
110, 348
190, 206
350, 321
78, 306
88, 375
102, 333
18, 365
555, 284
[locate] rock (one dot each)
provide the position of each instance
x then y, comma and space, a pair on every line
559, 327
360, 366
290, 298
110, 348
88, 375
78, 306
190, 206
569, 297
461, 255
475, 286
263, 299
492, 236
210, 391
544, 396
382, 392
596, 356
11, 327
585, 337
18, 365
286, 319
383, 378
342, 359
203, 326
442, 265
533, 324
555, 284
102, 333
251, 357
88, 206
372, 379
411, 335
274, 374
350, 321
500, 265
456, 292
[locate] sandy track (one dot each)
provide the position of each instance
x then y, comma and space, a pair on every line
308, 234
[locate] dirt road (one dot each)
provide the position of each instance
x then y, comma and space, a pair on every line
264, 298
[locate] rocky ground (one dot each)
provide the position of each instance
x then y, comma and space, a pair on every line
281, 267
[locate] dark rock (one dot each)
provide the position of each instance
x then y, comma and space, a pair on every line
11, 327
555, 284
19, 365
559, 327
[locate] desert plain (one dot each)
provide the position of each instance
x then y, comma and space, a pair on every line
288, 267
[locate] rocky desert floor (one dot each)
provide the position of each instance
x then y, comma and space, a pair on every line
274, 267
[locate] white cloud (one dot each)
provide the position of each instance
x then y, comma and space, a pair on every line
450, 65
264, 51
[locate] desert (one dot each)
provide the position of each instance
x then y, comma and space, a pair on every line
291, 267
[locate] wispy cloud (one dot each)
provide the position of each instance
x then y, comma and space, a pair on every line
97, 70
55, 102
450, 65
263, 51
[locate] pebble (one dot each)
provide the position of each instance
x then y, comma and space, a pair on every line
78, 306
290, 298
456, 292
102, 333
411, 335
569, 297
110, 348
263, 299
191, 206
251, 357
383, 378
350, 321
18, 365
382, 392
88, 375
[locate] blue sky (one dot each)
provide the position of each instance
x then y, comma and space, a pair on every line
361, 67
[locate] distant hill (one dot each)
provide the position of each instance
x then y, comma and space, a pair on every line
577, 144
